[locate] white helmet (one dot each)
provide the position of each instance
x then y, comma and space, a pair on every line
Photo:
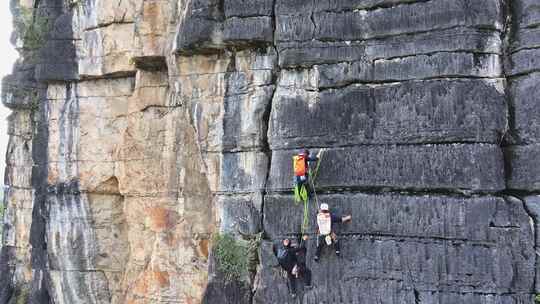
324, 207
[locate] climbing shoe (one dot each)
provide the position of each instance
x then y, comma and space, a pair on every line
338, 253
316, 258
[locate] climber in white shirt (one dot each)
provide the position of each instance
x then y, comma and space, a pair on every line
326, 234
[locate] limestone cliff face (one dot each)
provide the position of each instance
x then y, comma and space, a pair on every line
140, 128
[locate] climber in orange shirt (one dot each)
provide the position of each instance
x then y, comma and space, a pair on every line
301, 174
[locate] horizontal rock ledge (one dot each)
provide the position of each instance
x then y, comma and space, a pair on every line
410, 112
469, 219
523, 167
301, 24
472, 167
457, 39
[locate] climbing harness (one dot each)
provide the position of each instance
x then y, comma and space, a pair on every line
328, 240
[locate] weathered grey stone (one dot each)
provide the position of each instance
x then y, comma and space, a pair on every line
474, 297
344, 5
295, 25
476, 167
223, 289
244, 115
446, 40
59, 52
437, 65
523, 167
248, 31
20, 124
525, 108
228, 292
248, 8
209, 27
199, 34
524, 62
240, 214
460, 39
526, 13
411, 112
532, 204
391, 269
187, 126
342, 74
478, 219
232, 116
61, 64
243, 171
273, 289
19, 91
310, 53
526, 39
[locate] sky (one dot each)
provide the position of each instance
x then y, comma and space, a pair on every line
8, 55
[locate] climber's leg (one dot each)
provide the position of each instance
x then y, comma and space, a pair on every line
292, 283
306, 274
335, 242
320, 243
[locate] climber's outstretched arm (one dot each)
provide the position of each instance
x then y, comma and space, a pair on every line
346, 218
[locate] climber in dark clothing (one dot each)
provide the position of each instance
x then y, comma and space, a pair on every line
292, 261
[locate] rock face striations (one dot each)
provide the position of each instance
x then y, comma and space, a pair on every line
140, 129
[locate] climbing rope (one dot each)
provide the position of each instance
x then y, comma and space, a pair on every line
315, 173
312, 179
305, 220
318, 165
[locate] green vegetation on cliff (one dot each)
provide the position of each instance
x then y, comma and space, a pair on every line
235, 258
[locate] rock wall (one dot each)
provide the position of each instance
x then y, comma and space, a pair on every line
141, 128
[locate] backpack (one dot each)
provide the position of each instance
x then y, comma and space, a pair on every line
299, 164
281, 254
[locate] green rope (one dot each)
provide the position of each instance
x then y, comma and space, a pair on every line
305, 221
317, 168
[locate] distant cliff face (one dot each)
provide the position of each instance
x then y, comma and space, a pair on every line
143, 128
